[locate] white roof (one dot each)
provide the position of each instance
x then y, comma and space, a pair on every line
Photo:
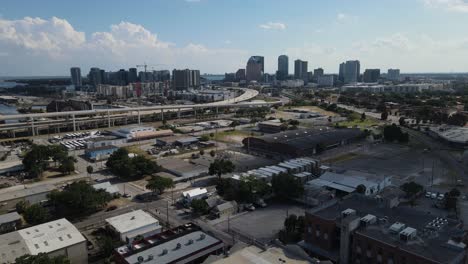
131, 221
51, 236
17, 194
194, 192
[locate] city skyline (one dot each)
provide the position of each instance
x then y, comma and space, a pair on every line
48, 38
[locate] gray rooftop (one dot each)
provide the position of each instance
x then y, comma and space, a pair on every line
18, 194
8, 218
430, 246
199, 241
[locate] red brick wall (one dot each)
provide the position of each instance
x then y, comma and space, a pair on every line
328, 232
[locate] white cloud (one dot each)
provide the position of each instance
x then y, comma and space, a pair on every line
43, 47
450, 5
342, 18
273, 26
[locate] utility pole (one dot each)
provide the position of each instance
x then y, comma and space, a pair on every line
167, 214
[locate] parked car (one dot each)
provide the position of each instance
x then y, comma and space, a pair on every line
428, 194
261, 203
249, 207
433, 195
440, 197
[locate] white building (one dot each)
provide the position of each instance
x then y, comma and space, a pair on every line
54, 238
193, 194
133, 224
326, 80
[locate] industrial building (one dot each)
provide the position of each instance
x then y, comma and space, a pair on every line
133, 224
9, 222
55, 238
197, 193
141, 133
271, 126
362, 229
347, 182
452, 135
31, 195
100, 153
302, 142
182, 169
183, 244
7, 167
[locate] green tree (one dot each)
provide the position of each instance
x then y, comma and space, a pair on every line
363, 116
67, 164
36, 214
411, 188
212, 153
21, 206
204, 138
286, 186
202, 152
199, 206
159, 184
220, 167
120, 164
293, 229
42, 258
384, 115
89, 169
78, 199
36, 160
361, 188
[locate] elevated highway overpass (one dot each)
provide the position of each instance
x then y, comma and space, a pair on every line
74, 120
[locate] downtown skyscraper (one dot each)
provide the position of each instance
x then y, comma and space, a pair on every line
283, 67
75, 74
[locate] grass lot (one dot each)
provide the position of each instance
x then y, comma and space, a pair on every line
233, 136
368, 122
137, 150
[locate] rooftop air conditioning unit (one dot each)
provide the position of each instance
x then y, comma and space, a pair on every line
368, 220
348, 212
397, 227
408, 234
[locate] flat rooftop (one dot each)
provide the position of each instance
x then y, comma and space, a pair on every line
18, 194
430, 245
131, 221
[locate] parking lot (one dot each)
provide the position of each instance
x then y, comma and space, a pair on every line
263, 224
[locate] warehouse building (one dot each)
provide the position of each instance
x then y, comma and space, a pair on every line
302, 142
9, 222
31, 195
100, 153
130, 225
183, 244
362, 229
141, 133
55, 238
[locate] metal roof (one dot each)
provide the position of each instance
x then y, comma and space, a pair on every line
194, 192
11, 217
28, 191
177, 248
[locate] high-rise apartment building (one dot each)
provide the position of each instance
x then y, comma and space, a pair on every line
184, 79
371, 75
342, 72
94, 76
75, 74
318, 72
254, 69
283, 67
300, 70
352, 70
132, 75
393, 74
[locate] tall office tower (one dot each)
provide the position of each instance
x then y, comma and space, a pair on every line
240, 75
318, 72
300, 70
371, 75
261, 59
393, 74
104, 76
132, 75
254, 69
352, 71
75, 74
283, 67
94, 76
342, 72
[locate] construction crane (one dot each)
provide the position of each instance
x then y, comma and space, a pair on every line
145, 66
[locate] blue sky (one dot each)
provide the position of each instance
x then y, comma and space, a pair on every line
47, 37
